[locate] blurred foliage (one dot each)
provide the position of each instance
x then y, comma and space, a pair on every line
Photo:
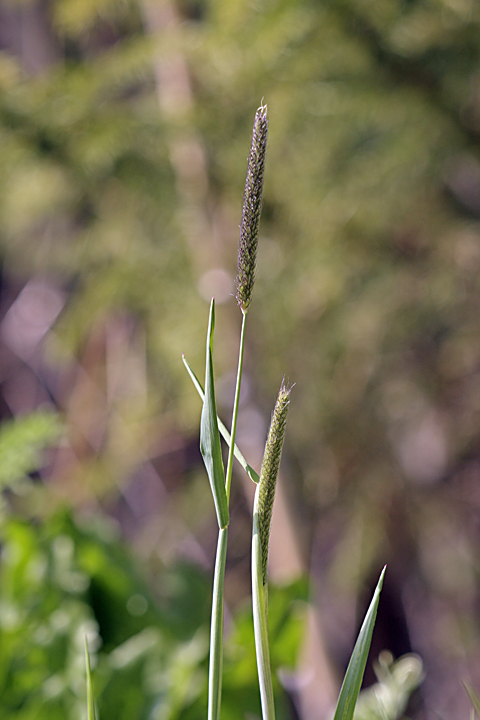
388, 698
64, 579
123, 140
474, 699
61, 580
22, 442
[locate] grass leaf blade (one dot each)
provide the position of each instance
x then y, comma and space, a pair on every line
356, 667
252, 474
209, 435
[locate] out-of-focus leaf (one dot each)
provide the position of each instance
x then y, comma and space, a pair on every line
286, 619
473, 697
387, 699
209, 435
21, 444
59, 581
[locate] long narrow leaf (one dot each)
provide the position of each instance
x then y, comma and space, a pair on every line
209, 435
90, 701
356, 667
252, 474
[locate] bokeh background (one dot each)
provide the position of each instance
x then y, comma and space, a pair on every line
124, 133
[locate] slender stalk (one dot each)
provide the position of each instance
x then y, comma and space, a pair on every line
216, 629
228, 479
262, 517
91, 715
260, 618
247, 254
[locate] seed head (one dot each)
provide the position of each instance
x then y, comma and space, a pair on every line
252, 208
269, 472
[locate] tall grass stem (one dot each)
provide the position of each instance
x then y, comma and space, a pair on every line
260, 618
236, 402
91, 715
216, 629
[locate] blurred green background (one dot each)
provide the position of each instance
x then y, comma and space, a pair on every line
124, 133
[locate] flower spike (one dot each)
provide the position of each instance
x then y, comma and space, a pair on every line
252, 208
269, 472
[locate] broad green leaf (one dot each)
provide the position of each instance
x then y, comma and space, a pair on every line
209, 435
90, 701
356, 667
252, 474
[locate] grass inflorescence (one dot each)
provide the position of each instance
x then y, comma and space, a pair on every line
220, 479
252, 209
269, 471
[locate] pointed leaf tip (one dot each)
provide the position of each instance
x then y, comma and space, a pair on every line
354, 676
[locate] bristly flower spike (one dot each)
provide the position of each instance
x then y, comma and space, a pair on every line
269, 472
252, 208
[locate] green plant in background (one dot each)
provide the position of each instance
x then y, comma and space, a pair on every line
62, 579
22, 442
389, 697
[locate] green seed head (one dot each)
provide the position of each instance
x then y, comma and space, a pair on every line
252, 208
269, 472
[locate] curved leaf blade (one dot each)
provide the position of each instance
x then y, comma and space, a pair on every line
252, 474
209, 435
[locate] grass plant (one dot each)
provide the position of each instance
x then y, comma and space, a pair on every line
211, 430
220, 482
209, 433
262, 517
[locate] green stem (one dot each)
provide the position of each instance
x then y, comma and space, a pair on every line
91, 715
260, 620
216, 630
228, 479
